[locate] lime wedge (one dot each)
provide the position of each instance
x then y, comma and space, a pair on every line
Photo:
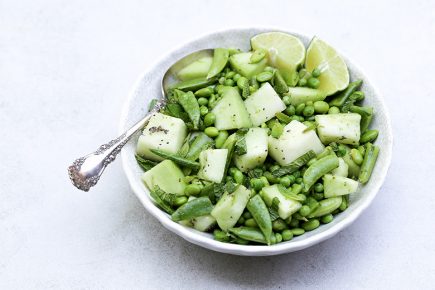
285, 52
334, 75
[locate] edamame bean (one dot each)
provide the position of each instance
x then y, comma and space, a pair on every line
285, 181
279, 225
300, 108
260, 213
297, 231
313, 83
356, 156
221, 138
229, 82
204, 92
278, 238
318, 169
236, 77
290, 110
209, 119
192, 189
202, 101
257, 56
264, 76
286, 100
333, 110
318, 196
327, 218
221, 236
302, 82
238, 177
369, 136
308, 111
326, 206
311, 225
251, 222
304, 210
211, 132
287, 235
180, 200
321, 107
316, 72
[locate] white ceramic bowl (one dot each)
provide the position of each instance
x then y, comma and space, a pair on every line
148, 87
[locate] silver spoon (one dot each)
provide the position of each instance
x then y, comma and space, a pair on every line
86, 171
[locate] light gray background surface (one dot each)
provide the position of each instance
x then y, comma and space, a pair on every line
66, 68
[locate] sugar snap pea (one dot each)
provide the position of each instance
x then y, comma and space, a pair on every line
318, 169
369, 161
193, 85
260, 213
177, 159
199, 144
196, 207
341, 98
326, 206
190, 105
366, 116
369, 136
220, 60
250, 234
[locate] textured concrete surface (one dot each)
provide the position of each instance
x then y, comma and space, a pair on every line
65, 69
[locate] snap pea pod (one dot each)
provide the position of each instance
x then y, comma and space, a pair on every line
190, 105
326, 206
369, 161
291, 193
279, 83
249, 234
328, 151
283, 117
341, 98
193, 85
369, 136
196, 207
177, 159
351, 101
366, 116
260, 213
199, 144
318, 169
295, 165
220, 60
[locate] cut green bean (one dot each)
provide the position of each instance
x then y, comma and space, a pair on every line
341, 98
318, 169
369, 162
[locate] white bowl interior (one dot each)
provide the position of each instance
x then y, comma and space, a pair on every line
148, 87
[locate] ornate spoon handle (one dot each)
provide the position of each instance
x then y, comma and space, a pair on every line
86, 171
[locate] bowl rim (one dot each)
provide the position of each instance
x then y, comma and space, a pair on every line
250, 250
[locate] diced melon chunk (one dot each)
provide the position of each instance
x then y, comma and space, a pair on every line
166, 175
286, 206
293, 143
342, 169
256, 153
162, 132
196, 69
263, 104
299, 95
203, 223
230, 111
340, 128
230, 207
241, 63
338, 185
212, 164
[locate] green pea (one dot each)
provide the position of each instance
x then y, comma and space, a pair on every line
333, 110
302, 197
221, 80
290, 110
272, 239
209, 119
247, 215
278, 237
251, 223
192, 189
297, 231
302, 82
316, 72
264, 76
300, 108
321, 107
356, 156
287, 235
180, 200
279, 225
236, 77
211, 132
285, 181
271, 178
299, 180
369, 136
277, 130
309, 103
286, 100
238, 177
264, 180
294, 223
313, 83
230, 74
241, 220
274, 167
318, 196
311, 225
232, 170
220, 139
203, 110
292, 178
304, 210
308, 111
326, 219
202, 101
229, 82
318, 187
